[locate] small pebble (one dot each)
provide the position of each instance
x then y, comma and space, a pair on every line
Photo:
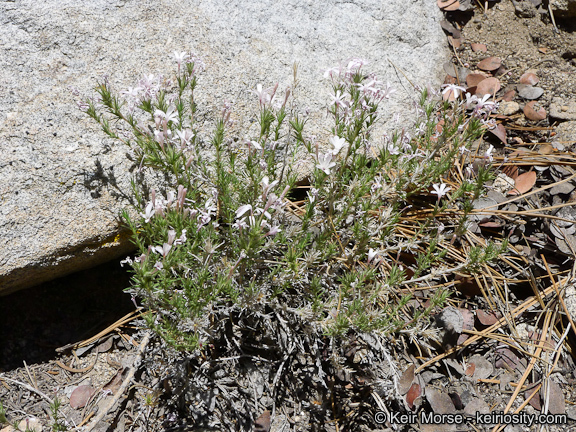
509, 108
529, 92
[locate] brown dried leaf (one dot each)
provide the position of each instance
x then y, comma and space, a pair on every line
468, 286
106, 345
529, 78
81, 395
499, 132
468, 324
448, 5
114, 384
262, 423
456, 400
473, 79
449, 27
488, 86
506, 359
406, 380
478, 47
509, 96
531, 113
529, 92
511, 171
533, 400
546, 149
490, 224
523, 183
486, 318
412, 394
490, 64
30, 424
456, 43
476, 405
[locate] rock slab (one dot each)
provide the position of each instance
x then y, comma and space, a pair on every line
62, 182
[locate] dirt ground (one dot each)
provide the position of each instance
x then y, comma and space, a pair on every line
80, 306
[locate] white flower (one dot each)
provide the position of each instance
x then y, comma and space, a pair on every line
440, 189
185, 136
373, 255
149, 212
455, 89
338, 143
162, 250
325, 163
170, 115
255, 144
488, 153
180, 57
471, 100
128, 260
132, 92
485, 103
312, 194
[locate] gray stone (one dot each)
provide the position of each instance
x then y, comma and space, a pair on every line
63, 182
508, 108
529, 92
561, 109
566, 134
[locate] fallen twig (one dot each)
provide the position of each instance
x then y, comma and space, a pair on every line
28, 387
123, 387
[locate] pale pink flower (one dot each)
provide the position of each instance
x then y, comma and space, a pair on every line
329, 73
267, 186
265, 96
243, 209
355, 64
273, 231
132, 92
455, 89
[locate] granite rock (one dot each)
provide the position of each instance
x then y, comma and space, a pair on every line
63, 182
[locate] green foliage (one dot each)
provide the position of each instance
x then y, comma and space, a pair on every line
57, 422
2, 414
